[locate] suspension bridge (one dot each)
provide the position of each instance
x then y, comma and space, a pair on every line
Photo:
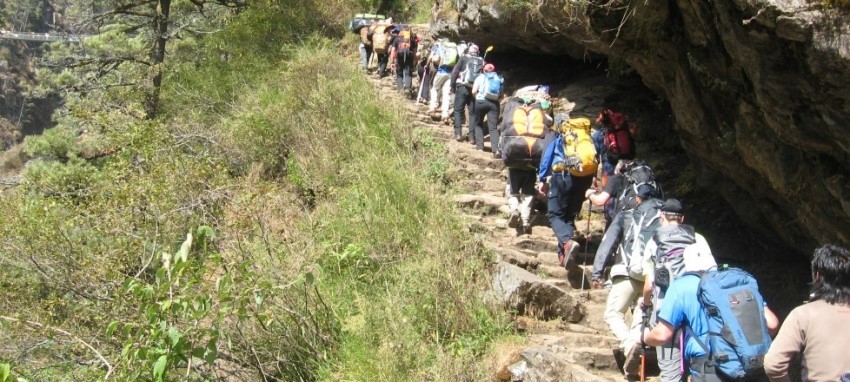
43, 37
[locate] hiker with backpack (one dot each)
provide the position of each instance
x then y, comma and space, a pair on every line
486, 89
468, 67
616, 139
380, 45
575, 137
402, 56
722, 316
444, 56
554, 173
815, 336
366, 32
619, 194
627, 276
663, 263
525, 133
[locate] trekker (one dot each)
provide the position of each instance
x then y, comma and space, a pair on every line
664, 263
575, 134
464, 73
682, 312
380, 44
525, 135
445, 56
557, 183
366, 44
402, 55
618, 195
486, 89
814, 336
627, 276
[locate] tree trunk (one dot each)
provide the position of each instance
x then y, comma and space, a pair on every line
160, 25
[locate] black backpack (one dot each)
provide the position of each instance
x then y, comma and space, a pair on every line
636, 174
474, 67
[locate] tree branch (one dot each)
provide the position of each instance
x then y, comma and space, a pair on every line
66, 333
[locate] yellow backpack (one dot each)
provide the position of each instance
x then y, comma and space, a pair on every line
578, 143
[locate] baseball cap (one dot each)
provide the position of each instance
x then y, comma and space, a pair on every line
672, 206
697, 257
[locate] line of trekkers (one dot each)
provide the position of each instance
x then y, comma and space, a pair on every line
705, 321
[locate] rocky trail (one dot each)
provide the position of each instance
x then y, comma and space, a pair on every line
567, 338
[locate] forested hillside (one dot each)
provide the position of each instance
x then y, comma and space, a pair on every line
224, 197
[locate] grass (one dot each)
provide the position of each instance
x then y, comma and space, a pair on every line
336, 254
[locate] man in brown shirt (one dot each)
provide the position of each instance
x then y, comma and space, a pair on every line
817, 334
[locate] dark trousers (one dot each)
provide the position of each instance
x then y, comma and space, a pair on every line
522, 181
463, 101
560, 219
490, 109
425, 85
383, 59
612, 237
404, 68
580, 185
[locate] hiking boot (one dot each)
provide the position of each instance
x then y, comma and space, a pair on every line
632, 364
497, 155
514, 219
526, 229
569, 248
458, 138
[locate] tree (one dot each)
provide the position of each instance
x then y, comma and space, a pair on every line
123, 56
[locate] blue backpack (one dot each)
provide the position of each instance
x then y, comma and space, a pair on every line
738, 337
494, 86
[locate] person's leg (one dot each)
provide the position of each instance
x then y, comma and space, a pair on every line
399, 71
609, 241
492, 121
407, 72
478, 124
436, 96
670, 359
527, 179
446, 97
382, 64
559, 188
580, 185
425, 84
620, 298
470, 105
368, 56
364, 58
460, 103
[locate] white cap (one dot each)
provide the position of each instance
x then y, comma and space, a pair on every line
698, 257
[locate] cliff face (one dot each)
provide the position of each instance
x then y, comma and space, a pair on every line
759, 89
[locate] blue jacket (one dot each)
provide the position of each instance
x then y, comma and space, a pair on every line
554, 153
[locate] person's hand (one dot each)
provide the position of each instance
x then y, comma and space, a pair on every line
645, 307
590, 191
544, 188
596, 284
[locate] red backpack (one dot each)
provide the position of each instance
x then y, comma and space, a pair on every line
619, 134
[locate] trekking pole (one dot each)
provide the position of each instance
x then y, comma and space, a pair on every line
644, 322
586, 244
422, 81
489, 48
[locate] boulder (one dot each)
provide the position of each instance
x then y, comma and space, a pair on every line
531, 295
